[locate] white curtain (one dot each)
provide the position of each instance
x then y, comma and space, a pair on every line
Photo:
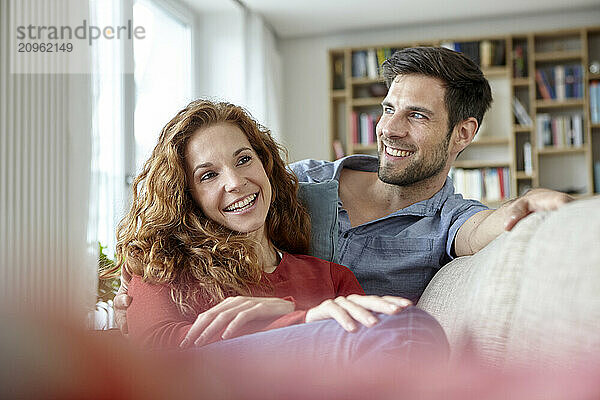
46, 263
238, 61
263, 73
108, 197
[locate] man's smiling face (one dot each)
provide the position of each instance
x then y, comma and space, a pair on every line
412, 134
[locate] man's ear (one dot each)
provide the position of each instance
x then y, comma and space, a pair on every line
463, 134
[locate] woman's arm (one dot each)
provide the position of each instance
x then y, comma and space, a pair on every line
235, 316
352, 306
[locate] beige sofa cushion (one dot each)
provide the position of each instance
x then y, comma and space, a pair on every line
515, 296
556, 320
474, 297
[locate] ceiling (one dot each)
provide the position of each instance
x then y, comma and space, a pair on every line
296, 18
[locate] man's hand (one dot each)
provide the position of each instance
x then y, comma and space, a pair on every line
120, 303
532, 201
226, 319
347, 311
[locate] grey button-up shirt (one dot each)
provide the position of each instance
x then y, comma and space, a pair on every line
399, 253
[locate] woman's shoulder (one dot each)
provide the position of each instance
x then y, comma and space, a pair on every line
306, 262
138, 286
305, 259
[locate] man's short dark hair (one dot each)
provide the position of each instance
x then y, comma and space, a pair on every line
468, 93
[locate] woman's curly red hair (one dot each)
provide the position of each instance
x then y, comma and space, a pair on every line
166, 239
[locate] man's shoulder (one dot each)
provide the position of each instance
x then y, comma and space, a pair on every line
311, 170
320, 170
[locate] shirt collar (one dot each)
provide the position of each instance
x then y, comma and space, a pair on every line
329, 171
368, 163
431, 206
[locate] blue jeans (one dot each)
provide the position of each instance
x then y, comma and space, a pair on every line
406, 337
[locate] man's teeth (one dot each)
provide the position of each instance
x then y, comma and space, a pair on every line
397, 153
242, 204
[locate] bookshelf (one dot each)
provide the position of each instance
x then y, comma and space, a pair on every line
548, 137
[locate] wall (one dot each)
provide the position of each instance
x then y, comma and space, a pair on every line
305, 93
219, 58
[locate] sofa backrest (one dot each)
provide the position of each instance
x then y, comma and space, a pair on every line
531, 296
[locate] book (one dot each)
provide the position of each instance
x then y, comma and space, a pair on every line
338, 149
559, 82
543, 84
492, 184
597, 176
502, 184
520, 113
506, 173
338, 74
527, 159
372, 67
485, 51
363, 128
520, 60
380, 59
577, 124
499, 50
594, 102
354, 124
359, 64
543, 131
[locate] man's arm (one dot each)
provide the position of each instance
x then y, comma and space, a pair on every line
485, 226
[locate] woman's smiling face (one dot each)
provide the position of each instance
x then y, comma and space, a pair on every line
227, 179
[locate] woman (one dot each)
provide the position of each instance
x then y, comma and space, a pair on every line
212, 239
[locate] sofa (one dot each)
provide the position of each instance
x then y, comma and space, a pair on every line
529, 298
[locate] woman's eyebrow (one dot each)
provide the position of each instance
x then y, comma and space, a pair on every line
209, 164
238, 151
203, 165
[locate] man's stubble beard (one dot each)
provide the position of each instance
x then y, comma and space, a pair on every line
415, 171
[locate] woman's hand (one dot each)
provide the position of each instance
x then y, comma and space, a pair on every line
347, 311
226, 319
120, 303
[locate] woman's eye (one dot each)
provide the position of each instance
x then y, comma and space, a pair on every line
244, 160
207, 175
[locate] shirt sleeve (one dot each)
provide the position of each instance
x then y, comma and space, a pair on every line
344, 281
153, 318
344, 284
300, 168
457, 211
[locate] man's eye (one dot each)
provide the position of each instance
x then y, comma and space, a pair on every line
207, 175
417, 115
244, 160
388, 110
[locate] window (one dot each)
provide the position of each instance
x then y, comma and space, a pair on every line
128, 114
163, 80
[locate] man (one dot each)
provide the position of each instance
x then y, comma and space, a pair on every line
399, 219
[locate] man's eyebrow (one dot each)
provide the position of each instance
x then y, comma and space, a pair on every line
209, 164
420, 109
409, 108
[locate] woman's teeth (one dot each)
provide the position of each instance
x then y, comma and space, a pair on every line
242, 204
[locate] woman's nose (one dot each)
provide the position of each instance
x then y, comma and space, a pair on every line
234, 181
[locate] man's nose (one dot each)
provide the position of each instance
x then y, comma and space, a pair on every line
234, 181
392, 126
